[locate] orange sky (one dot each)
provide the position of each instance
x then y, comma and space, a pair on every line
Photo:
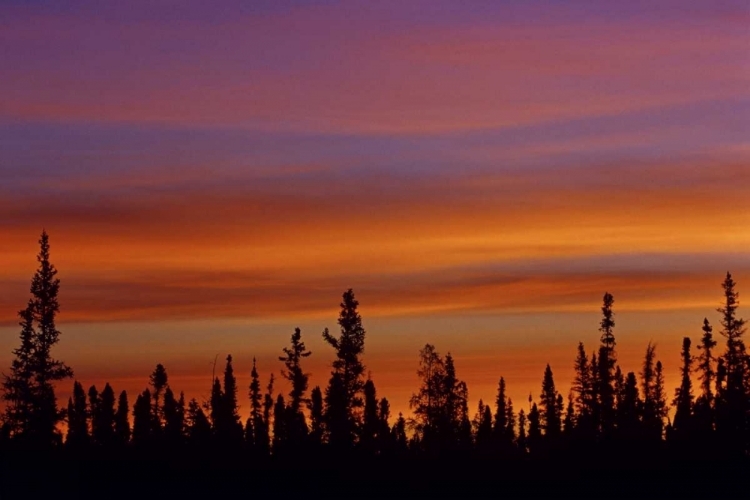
211, 179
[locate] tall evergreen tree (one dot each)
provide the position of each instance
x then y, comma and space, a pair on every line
78, 428
500, 427
198, 426
535, 430
732, 406
142, 419
704, 404
280, 436
384, 438
607, 362
582, 385
103, 418
298, 379
174, 419
31, 411
94, 420
122, 422
159, 381
371, 422
316, 416
683, 399
522, 441
347, 382
551, 418
256, 410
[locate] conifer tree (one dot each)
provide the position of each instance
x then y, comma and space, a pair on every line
385, 443
174, 419
31, 412
510, 426
522, 441
316, 416
732, 404
103, 418
371, 423
122, 422
399, 434
347, 383
582, 387
263, 435
550, 414
683, 399
535, 429
484, 428
78, 429
198, 426
569, 420
94, 420
142, 419
704, 404
607, 362
256, 409
500, 428
159, 381
298, 379
280, 436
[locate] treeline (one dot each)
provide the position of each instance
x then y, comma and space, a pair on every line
607, 412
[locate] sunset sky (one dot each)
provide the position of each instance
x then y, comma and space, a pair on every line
213, 175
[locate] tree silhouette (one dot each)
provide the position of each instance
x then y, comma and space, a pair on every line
31, 412
259, 429
159, 382
551, 418
78, 428
296, 427
122, 422
142, 419
732, 404
606, 366
344, 394
683, 400
103, 417
316, 416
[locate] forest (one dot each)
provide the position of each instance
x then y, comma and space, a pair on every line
612, 419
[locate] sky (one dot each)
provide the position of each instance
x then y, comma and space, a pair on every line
214, 175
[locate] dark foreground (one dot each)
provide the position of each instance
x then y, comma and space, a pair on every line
66, 477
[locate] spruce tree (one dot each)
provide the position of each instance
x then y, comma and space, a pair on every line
582, 387
122, 422
198, 426
500, 428
316, 416
607, 362
522, 441
280, 436
103, 418
732, 406
256, 409
94, 419
550, 411
159, 381
142, 419
174, 419
31, 412
535, 430
347, 382
298, 379
78, 430
371, 422
704, 404
385, 443
683, 399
